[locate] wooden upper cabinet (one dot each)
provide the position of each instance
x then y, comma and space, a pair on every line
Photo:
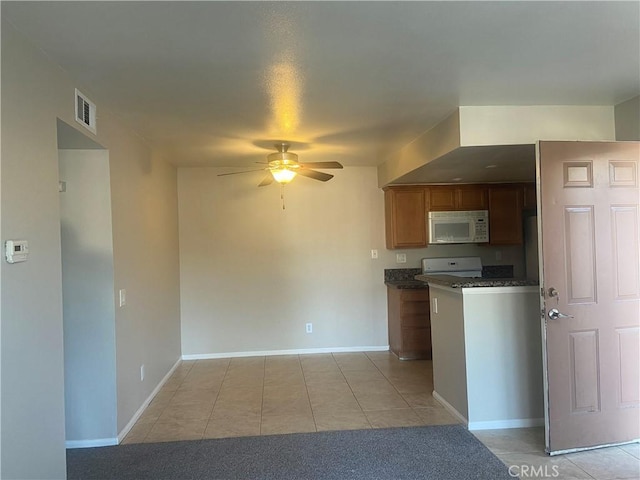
449, 197
472, 197
405, 217
442, 198
406, 209
505, 215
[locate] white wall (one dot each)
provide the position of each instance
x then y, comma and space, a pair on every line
32, 415
627, 116
144, 207
519, 125
144, 200
88, 296
253, 274
448, 344
432, 144
503, 348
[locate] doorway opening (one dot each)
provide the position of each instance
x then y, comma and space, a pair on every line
87, 289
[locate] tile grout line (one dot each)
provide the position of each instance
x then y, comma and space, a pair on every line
351, 390
264, 373
169, 401
216, 399
400, 393
619, 447
164, 408
599, 450
306, 387
397, 391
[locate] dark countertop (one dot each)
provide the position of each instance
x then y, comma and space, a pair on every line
403, 278
461, 282
406, 284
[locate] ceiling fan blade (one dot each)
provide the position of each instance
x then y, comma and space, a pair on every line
305, 172
244, 171
322, 165
267, 180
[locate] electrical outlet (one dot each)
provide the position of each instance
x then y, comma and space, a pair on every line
401, 258
309, 327
142, 373
123, 297
498, 254
374, 253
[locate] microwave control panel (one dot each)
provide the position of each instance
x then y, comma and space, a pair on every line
481, 230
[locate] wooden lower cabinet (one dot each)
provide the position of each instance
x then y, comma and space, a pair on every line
409, 323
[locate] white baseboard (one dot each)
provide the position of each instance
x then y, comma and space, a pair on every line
490, 425
450, 408
298, 351
96, 442
145, 404
514, 423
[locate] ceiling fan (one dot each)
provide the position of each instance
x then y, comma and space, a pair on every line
282, 166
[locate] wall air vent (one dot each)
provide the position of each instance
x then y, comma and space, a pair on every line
85, 112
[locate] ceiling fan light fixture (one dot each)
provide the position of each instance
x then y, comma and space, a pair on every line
283, 158
283, 175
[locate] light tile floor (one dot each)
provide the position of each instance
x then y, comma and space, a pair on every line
287, 394
341, 391
523, 450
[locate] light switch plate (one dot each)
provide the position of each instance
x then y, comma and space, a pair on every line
123, 297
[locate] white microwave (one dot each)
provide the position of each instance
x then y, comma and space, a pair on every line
459, 227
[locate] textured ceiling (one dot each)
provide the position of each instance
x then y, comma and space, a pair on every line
216, 83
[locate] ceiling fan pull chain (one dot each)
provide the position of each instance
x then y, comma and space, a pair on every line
282, 194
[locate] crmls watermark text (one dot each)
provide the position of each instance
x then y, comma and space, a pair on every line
532, 471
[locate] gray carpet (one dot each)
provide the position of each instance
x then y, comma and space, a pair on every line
431, 452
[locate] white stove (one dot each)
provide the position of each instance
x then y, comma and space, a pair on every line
469, 267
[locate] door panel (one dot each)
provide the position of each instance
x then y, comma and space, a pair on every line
590, 239
626, 251
585, 387
628, 355
579, 236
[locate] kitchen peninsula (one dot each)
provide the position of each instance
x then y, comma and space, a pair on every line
487, 350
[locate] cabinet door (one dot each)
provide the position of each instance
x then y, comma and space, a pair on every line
416, 343
505, 215
414, 308
473, 197
406, 221
442, 198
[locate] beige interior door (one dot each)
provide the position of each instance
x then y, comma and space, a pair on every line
589, 218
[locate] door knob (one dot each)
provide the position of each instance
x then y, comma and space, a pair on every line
554, 314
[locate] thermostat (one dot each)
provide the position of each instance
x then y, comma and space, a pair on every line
16, 250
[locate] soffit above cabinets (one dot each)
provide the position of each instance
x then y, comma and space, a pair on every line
485, 164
